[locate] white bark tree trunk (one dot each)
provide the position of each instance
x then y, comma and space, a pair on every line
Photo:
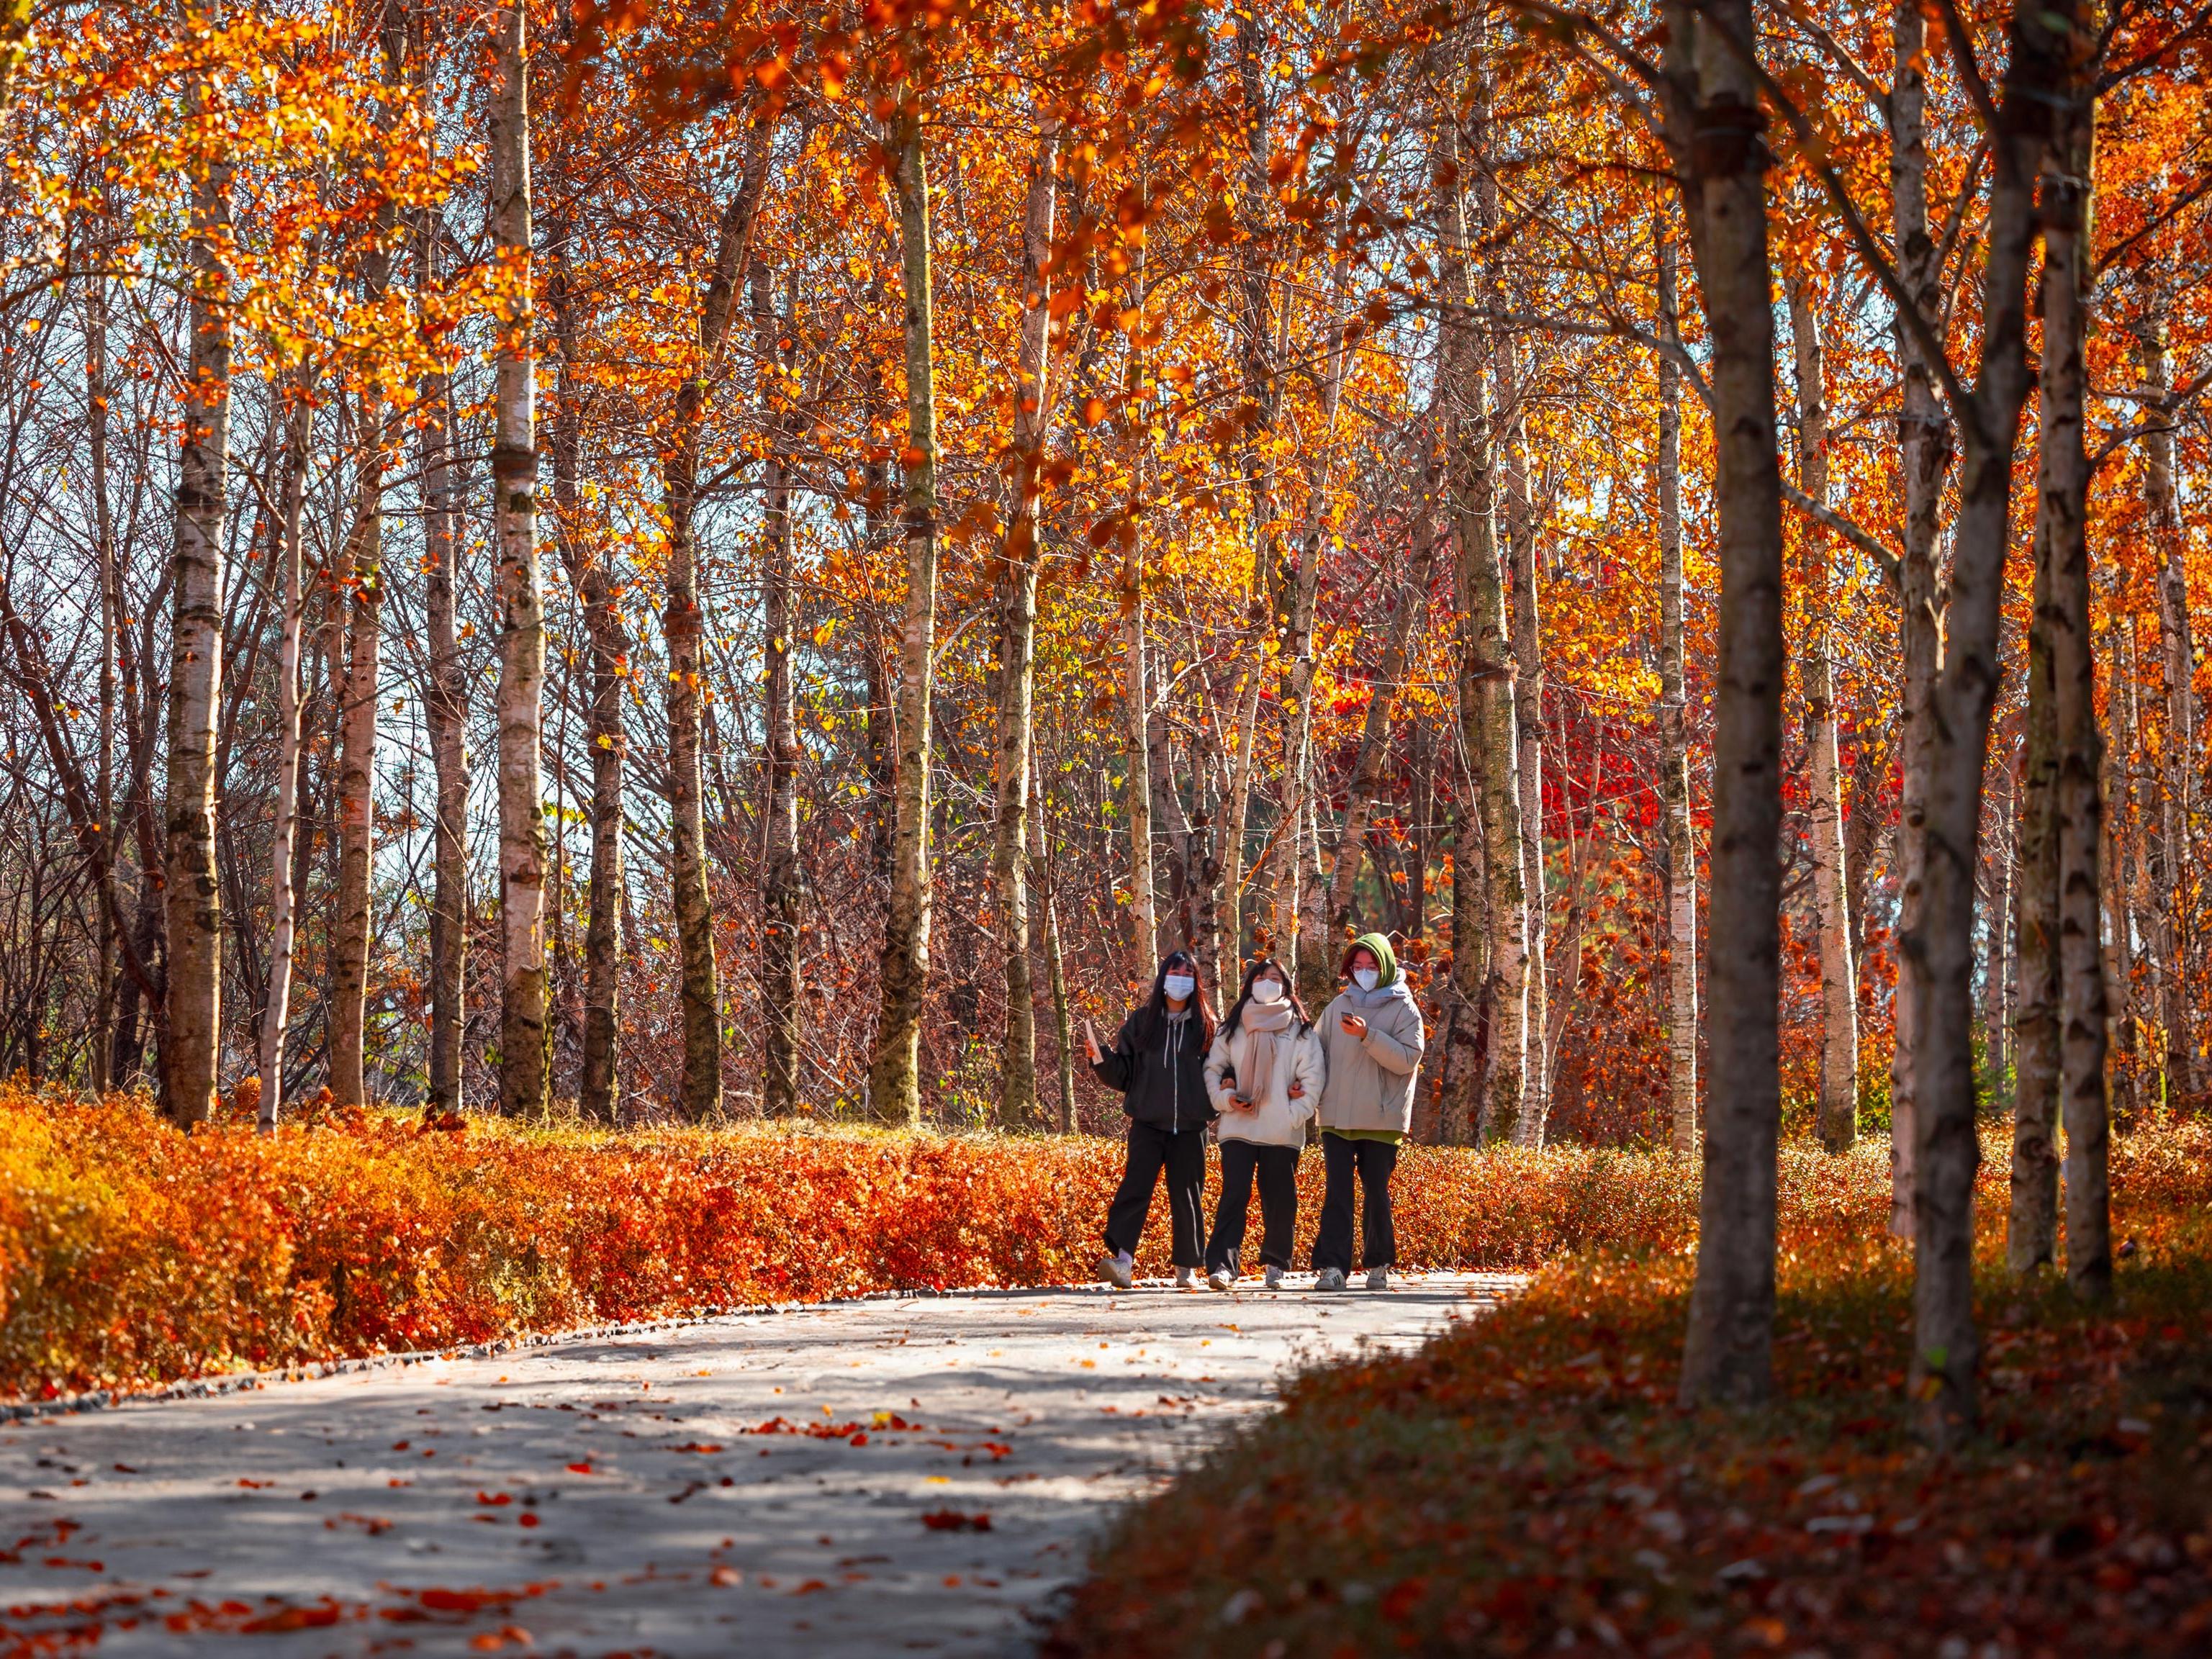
299, 423
523, 1059
1675, 739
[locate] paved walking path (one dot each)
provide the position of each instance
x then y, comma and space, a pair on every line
878, 1477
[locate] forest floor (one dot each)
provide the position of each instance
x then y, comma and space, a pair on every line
920, 1474
1527, 1483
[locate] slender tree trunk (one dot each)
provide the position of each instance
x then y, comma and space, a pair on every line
298, 425
894, 1080
1940, 944
1728, 1353
2064, 210
445, 703
1488, 1103
589, 560
1018, 585
1836, 1114
1674, 738
361, 584
700, 1094
111, 615
2177, 773
782, 914
523, 1057
1529, 758
2031, 1233
192, 893
1063, 1023
1924, 444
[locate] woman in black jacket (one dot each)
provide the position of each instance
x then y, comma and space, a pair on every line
1158, 1062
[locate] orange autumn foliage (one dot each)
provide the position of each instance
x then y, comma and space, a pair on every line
131, 1254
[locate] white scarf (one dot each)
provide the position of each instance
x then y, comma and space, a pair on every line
1264, 1021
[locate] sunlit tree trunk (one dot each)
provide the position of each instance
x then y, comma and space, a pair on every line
110, 616
361, 584
2032, 1231
2177, 795
588, 557
1837, 1111
1017, 587
894, 1080
700, 1095
1727, 1355
1674, 737
523, 1057
1528, 757
192, 895
782, 896
1924, 446
445, 703
1486, 1104
299, 423
2064, 209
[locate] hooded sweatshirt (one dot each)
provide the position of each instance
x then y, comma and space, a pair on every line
1268, 1040
1370, 1078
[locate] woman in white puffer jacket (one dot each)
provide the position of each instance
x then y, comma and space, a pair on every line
1263, 1074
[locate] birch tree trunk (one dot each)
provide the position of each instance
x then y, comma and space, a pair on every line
192, 896
1063, 1023
1674, 737
523, 1055
1529, 762
588, 559
1487, 1103
2177, 790
1728, 1353
1924, 444
298, 425
1946, 1346
362, 579
1837, 1112
445, 704
109, 931
781, 896
1017, 589
2031, 1231
894, 1080
2064, 209
700, 1095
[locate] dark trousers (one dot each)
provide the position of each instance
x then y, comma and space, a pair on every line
1372, 1161
1277, 1168
1181, 1154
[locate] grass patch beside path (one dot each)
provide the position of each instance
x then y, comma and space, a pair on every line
1525, 1483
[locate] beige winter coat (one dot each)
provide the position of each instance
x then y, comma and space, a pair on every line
1371, 1079
1278, 1120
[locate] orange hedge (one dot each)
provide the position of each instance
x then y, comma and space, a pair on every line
131, 1254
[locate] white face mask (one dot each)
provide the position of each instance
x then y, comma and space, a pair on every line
1267, 990
1365, 978
1180, 986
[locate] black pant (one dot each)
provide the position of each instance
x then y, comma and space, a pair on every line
1278, 1169
1181, 1154
1373, 1160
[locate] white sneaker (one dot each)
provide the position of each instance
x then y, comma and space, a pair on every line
1115, 1271
1221, 1279
1379, 1278
1274, 1278
1186, 1279
1329, 1278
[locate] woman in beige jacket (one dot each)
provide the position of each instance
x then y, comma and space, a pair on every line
1263, 1075
1373, 1038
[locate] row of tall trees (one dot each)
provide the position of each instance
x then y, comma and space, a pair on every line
1683, 515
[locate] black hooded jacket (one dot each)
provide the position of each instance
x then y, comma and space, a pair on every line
1158, 1064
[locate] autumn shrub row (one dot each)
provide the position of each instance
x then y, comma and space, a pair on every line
131, 1254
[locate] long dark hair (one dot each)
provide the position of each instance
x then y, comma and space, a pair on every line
1235, 1018
1156, 1010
